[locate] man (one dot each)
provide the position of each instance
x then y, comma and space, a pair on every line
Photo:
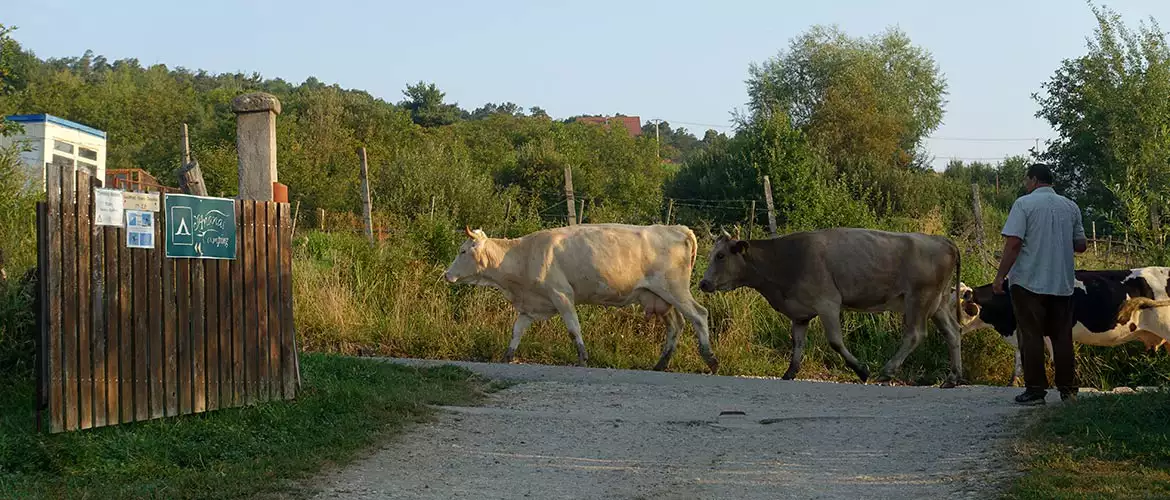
1042, 232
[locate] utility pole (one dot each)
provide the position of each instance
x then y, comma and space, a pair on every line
657, 140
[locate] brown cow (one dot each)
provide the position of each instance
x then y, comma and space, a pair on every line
548, 272
821, 273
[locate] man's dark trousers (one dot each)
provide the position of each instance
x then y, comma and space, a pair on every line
1039, 316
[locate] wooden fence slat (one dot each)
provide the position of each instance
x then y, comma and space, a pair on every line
198, 337
84, 291
126, 309
224, 324
239, 303
156, 358
113, 317
42, 347
71, 405
272, 302
141, 336
170, 346
98, 332
287, 351
261, 357
183, 334
211, 275
250, 309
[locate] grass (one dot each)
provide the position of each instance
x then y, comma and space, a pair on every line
1110, 446
346, 405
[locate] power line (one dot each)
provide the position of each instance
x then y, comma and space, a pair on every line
985, 139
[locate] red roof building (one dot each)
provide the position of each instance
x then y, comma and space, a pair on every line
632, 124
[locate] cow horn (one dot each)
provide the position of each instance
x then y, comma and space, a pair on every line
737, 231
467, 230
725, 234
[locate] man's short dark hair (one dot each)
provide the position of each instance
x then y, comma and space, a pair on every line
1040, 172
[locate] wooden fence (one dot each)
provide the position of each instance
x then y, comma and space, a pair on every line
129, 335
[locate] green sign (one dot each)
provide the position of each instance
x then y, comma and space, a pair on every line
200, 227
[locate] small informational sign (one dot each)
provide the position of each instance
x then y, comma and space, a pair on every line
200, 227
107, 204
139, 229
140, 201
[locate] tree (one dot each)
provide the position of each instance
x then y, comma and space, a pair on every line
507, 108
538, 112
1110, 109
863, 101
426, 106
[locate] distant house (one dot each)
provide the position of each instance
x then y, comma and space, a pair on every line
52, 140
633, 124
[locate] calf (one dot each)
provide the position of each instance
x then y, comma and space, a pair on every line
548, 272
1097, 301
822, 273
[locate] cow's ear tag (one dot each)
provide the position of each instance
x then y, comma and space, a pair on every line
739, 247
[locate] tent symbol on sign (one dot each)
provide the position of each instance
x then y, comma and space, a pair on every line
182, 235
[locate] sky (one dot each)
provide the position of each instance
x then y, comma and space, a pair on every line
681, 61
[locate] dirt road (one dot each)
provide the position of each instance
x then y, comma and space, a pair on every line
568, 432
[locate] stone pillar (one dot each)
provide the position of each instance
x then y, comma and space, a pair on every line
256, 143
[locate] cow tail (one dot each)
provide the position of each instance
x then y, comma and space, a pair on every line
694, 244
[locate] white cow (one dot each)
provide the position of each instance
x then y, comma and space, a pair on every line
548, 272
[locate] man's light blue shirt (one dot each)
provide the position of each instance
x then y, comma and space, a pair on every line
1048, 223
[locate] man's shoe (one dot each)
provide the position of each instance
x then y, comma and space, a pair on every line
1031, 398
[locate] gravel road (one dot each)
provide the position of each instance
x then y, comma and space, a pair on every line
568, 432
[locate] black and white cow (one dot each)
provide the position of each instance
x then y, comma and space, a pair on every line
1097, 300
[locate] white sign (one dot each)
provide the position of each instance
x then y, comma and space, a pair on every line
139, 229
141, 201
107, 205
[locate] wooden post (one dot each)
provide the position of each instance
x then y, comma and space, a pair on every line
1094, 237
186, 146
977, 209
432, 207
507, 215
771, 208
581, 213
321, 219
296, 217
256, 144
669, 210
569, 195
751, 220
367, 210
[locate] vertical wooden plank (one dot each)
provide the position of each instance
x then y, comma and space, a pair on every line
287, 352
84, 322
98, 320
261, 356
71, 405
211, 297
113, 316
141, 336
239, 304
155, 319
55, 267
127, 334
170, 346
224, 324
42, 337
272, 241
249, 302
183, 333
198, 337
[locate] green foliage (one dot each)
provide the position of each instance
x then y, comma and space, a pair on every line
862, 101
344, 406
1110, 110
426, 106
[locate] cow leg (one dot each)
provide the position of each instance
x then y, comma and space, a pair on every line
912, 333
691, 309
523, 321
946, 323
573, 324
674, 323
799, 332
832, 323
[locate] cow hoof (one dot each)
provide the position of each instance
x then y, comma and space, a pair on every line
660, 367
714, 367
948, 385
788, 376
883, 379
863, 375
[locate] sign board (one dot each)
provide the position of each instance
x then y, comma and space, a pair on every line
107, 204
140, 201
200, 227
139, 229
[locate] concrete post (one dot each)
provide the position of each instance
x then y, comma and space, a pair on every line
256, 143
